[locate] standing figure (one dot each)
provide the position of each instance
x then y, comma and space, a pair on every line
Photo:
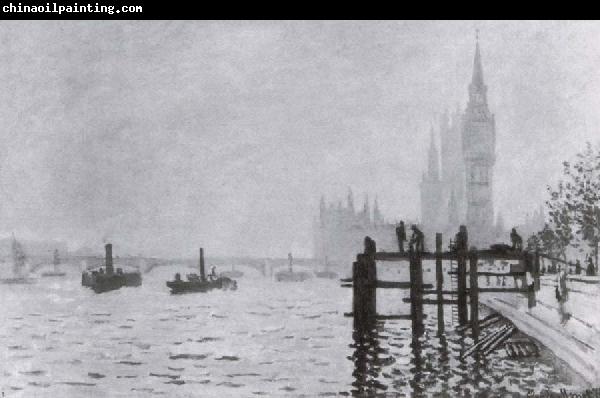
290, 260
590, 271
213, 273
516, 240
370, 246
461, 239
401, 235
417, 240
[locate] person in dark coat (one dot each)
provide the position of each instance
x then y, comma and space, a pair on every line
516, 240
461, 239
417, 240
590, 271
577, 267
401, 235
370, 246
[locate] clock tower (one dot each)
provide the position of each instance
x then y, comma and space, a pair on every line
478, 145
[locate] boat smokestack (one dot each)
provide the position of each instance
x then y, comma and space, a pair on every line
109, 259
202, 274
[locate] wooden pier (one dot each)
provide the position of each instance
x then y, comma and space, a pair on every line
364, 282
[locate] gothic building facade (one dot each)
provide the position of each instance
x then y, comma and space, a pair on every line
341, 228
459, 190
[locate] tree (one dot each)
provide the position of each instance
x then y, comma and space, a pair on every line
574, 206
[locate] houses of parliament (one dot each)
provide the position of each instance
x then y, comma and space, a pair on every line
340, 230
456, 187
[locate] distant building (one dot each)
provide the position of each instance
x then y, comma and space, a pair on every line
459, 191
340, 230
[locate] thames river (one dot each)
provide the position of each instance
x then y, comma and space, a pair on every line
59, 339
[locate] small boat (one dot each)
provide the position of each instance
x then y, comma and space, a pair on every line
106, 279
290, 275
56, 263
200, 283
19, 267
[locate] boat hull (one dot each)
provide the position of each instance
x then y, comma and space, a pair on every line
180, 287
101, 283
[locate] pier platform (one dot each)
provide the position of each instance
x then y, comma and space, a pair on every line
570, 331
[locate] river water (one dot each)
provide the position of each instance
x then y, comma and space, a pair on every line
58, 339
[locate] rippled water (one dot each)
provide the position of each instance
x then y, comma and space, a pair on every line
58, 339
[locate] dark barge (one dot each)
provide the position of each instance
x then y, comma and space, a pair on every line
106, 279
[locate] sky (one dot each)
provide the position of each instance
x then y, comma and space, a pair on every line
163, 136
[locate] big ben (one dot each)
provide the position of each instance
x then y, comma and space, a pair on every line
478, 144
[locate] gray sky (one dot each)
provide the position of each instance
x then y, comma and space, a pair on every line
162, 136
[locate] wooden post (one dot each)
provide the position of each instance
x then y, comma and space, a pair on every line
474, 292
364, 297
356, 310
527, 267
371, 288
202, 272
416, 292
536, 271
462, 283
439, 278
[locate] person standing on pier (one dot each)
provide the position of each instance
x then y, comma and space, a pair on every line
590, 271
461, 239
401, 235
417, 240
516, 240
370, 246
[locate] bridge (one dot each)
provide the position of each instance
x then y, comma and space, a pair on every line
265, 266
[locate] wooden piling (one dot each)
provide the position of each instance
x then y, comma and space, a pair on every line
371, 287
439, 277
364, 303
536, 271
358, 293
416, 292
474, 292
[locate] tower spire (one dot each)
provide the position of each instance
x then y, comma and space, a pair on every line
477, 68
477, 88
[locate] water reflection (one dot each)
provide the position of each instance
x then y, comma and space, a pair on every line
390, 361
367, 358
